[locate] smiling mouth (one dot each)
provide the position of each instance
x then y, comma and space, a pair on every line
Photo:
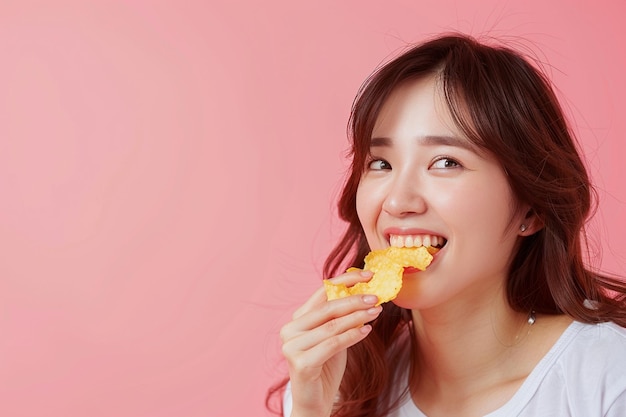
432, 242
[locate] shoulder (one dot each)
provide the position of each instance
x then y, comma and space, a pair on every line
602, 330
595, 342
585, 371
593, 351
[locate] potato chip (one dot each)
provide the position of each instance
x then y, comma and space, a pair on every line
388, 266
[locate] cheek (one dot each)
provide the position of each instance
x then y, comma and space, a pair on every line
489, 209
361, 206
366, 205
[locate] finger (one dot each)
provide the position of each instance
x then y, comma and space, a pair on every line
332, 310
319, 296
332, 329
325, 312
308, 363
352, 277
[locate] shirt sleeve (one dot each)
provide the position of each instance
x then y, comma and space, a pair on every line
287, 401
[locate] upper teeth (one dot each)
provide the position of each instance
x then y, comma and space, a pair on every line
410, 241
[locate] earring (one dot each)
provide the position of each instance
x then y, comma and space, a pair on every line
523, 228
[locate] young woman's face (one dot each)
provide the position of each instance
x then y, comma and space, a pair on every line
426, 182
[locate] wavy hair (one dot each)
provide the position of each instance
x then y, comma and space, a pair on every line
506, 106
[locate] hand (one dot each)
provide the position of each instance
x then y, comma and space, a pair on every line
315, 344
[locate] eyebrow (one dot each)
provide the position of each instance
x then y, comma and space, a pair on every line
430, 140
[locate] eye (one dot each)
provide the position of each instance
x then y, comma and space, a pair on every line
445, 162
378, 165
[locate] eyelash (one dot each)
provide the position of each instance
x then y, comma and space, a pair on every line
438, 159
370, 162
446, 158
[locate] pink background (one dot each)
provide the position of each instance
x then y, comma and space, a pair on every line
168, 172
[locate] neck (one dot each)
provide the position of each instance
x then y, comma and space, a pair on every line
464, 350
470, 359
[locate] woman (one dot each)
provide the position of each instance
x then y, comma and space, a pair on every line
464, 145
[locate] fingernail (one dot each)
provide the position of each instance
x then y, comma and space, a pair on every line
370, 299
367, 274
365, 329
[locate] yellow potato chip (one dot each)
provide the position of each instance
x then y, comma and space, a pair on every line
388, 266
418, 258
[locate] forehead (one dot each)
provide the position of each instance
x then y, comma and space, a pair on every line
417, 108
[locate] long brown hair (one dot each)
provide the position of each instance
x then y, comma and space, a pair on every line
506, 106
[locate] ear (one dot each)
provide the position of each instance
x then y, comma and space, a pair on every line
530, 224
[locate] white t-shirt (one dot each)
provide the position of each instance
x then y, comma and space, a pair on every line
583, 375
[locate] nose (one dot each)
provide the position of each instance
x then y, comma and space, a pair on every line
404, 197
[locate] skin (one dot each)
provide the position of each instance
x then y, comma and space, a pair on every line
315, 343
424, 177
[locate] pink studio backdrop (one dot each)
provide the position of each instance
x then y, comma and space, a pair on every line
168, 173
